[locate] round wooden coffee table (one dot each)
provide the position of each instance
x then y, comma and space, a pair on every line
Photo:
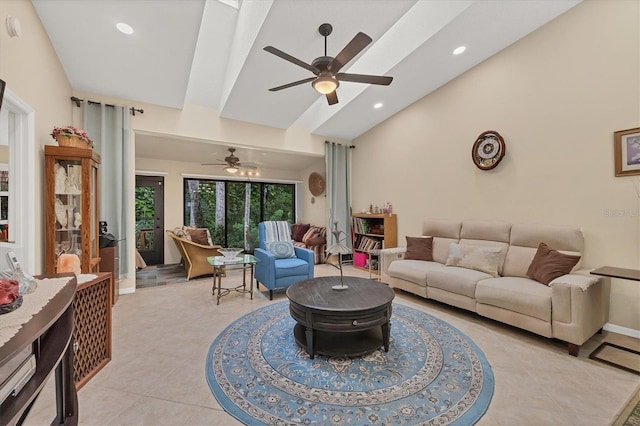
347, 322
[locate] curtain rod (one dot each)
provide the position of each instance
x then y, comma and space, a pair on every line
77, 101
350, 146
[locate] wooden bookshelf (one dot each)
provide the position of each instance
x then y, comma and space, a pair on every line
372, 232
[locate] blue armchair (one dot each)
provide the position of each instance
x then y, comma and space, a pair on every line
273, 272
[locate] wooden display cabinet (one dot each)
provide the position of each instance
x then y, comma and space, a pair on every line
71, 206
372, 232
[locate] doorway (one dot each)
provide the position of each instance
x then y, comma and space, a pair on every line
150, 218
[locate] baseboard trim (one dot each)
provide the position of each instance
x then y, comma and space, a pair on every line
622, 330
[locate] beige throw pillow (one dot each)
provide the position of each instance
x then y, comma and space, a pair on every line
481, 258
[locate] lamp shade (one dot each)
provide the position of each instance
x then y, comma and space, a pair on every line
325, 83
231, 169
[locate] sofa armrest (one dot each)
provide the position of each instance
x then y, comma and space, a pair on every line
578, 313
305, 254
389, 255
581, 279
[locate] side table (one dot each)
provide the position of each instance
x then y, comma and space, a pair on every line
221, 264
624, 274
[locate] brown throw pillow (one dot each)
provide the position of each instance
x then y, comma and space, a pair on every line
316, 241
419, 248
549, 264
199, 236
298, 230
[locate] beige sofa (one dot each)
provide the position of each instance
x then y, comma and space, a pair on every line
571, 308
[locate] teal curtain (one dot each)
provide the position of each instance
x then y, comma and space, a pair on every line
337, 158
108, 126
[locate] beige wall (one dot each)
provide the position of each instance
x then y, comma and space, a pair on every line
556, 97
31, 69
314, 209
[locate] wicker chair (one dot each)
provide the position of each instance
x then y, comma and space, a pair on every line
194, 256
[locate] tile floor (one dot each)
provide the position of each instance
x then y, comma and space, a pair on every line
161, 335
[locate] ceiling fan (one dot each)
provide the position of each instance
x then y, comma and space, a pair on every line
326, 68
233, 163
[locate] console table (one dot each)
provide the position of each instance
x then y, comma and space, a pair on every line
625, 274
49, 333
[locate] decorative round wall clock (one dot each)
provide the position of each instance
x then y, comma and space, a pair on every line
488, 150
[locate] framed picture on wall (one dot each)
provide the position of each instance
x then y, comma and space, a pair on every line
626, 150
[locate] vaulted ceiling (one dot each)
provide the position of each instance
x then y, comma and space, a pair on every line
210, 53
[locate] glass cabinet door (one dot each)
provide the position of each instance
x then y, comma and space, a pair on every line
68, 207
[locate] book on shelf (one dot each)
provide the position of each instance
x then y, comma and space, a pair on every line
364, 243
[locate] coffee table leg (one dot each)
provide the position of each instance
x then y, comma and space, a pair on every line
213, 286
309, 335
386, 332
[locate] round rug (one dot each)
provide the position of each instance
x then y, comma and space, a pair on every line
432, 373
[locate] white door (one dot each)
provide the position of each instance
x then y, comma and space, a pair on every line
17, 154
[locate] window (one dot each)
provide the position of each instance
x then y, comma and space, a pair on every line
231, 210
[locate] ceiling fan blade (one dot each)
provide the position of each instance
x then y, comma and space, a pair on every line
355, 46
213, 164
332, 98
295, 83
290, 58
248, 165
364, 78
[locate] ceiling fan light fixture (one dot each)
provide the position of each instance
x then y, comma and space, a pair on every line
325, 84
231, 169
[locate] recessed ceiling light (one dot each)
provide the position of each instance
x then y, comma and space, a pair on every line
124, 28
459, 50
378, 105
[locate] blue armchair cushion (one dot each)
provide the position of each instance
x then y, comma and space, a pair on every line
290, 267
282, 249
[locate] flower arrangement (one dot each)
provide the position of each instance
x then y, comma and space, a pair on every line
59, 133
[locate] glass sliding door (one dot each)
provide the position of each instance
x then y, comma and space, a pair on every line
231, 210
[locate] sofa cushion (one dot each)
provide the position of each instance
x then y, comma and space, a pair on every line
313, 232
414, 271
549, 264
525, 239
522, 295
485, 230
298, 230
282, 249
419, 248
455, 279
200, 236
183, 232
481, 258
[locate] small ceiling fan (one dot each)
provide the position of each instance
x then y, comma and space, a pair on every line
233, 163
326, 68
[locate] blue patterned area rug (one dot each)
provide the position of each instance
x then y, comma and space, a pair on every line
432, 374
